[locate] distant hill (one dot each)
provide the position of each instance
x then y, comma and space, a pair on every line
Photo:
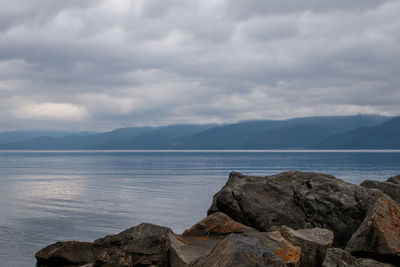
123, 138
17, 136
382, 136
361, 131
285, 134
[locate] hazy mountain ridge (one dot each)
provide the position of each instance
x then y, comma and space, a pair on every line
334, 132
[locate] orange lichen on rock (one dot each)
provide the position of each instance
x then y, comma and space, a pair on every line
289, 255
379, 234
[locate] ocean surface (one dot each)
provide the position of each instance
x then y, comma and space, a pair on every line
49, 196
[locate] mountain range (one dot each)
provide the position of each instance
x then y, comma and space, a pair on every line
333, 132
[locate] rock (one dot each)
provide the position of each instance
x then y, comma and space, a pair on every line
296, 199
216, 224
336, 257
142, 245
313, 243
201, 238
280, 247
394, 179
389, 188
211, 230
378, 237
66, 253
238, 250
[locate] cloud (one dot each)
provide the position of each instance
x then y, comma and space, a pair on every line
104, 64
51, 111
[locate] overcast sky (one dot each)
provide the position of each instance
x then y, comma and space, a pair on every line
104, 64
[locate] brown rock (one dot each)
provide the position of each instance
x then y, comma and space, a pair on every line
313, 243
378, 237
336, 257
280, 247
66, 253
296, 199
238, 250
216, 224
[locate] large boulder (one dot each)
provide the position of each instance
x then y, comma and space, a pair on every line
66, 253
238, 250
296, 199
313, 243
378, 237
391, 187
337, 257
143, 245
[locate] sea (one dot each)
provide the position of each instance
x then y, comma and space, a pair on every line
50, 196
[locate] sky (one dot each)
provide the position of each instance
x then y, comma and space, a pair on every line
103, 64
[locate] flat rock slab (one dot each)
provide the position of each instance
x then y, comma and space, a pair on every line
378, 237
313, 243
296, 199
337, 257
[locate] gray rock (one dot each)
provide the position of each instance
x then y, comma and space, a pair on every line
389, 188
313, 243
336, 257
142, 245
296, 199
378, 237
66, 253
394, 179
238, 250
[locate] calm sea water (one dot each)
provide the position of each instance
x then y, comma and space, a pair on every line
83, 195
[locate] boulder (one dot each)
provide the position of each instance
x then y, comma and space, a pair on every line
394, 179
280, 247
66, 253
389, 188
201, 238
238, 250
296, 199
142, 245
313, 243
378, 237
337, 257
216, 224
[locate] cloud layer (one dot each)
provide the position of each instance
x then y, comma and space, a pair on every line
97, 65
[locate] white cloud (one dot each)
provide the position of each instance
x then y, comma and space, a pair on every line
51, 111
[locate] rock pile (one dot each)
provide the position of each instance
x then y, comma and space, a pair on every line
290, 219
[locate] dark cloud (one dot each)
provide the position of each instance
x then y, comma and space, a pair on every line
104, 64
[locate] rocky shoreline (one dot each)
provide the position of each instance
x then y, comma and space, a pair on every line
289, 219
